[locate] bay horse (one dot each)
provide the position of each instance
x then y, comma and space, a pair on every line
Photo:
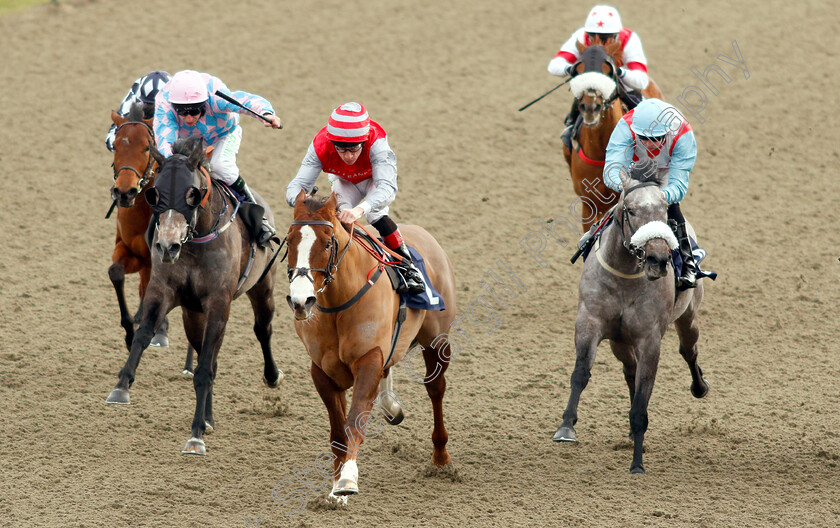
595, 88
349, 337
134, 172
203, 258
627, 294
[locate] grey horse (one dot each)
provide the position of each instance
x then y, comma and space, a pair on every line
627, 294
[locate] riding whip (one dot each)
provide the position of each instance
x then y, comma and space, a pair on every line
543, 95
240, 105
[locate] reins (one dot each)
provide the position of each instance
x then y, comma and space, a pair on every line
145, 177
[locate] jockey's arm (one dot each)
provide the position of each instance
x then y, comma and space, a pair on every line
567, 55
634, 71
254, 102
682, 161
306, 176
619, 155
165, 125
384, 164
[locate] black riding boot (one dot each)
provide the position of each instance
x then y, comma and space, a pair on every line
266, 229
570, 121
689, 276
413, 278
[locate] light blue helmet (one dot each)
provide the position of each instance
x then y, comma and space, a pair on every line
655, 118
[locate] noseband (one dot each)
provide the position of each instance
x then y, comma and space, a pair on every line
637, 252
332, 263
145, 177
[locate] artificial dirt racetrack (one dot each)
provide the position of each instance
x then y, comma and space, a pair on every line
445, 80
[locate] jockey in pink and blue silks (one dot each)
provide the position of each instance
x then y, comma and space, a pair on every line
188, 106
656, 132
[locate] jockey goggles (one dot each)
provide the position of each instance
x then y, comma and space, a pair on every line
602, 36
653, 139
341, 148
189, 109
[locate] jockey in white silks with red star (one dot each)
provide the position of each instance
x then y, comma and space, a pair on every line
656, 132
602, 26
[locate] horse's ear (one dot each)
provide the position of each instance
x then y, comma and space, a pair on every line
624, 175
613, 48
607, 68
580, 46
300, 203
156, 155
578, 68
117, 118
197, 153
331, 204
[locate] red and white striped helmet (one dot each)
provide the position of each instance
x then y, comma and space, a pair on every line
603, 19
349, 123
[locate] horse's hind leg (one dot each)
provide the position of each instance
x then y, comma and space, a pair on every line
437, 360
387, 401
688, 331
586, 345
262, 302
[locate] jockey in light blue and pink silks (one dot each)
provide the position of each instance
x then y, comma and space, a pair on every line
220, 121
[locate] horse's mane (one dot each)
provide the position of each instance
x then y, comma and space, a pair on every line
314, 203
645, 170
185, 147
135, 112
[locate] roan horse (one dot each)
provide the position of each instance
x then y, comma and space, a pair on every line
595, 88
134, 172
203, 258
633, 308
349, 336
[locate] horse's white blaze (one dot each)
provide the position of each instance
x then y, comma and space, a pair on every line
592, 81
302, 288
651, 231
172, 226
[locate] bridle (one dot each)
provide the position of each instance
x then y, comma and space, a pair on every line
637, 252
333, 262
146, 175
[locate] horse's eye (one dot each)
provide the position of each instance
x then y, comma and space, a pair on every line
631, 213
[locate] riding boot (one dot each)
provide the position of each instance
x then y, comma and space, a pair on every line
267, 231
413, 278
570, 121
689, 275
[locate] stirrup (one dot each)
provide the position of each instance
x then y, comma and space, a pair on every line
413, 279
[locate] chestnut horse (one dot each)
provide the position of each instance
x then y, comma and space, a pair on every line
349, 337
134, 172
203, 258
595, 88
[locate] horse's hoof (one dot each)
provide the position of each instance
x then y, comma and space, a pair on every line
119, 397
340, 500
637, 470
208, 427
345, 487
187, 372
396, 420
280, 378
195, 446
160, 340
565, 434
700, 391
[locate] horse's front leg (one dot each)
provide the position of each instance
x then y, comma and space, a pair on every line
647, 364
367, 372
153, 313
587, 337
336, 403
216, 314
122, 262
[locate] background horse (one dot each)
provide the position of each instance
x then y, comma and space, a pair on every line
349, 337
134, 172
615, 51
595, 90
633, 308
202, 274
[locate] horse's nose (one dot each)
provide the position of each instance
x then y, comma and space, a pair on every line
125, 199
656, 265
169, 253
301, 310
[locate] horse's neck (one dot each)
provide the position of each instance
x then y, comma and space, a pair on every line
613, 251
351, 275
596, 139
209, 214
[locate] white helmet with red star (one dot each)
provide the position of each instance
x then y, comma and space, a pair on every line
603, 19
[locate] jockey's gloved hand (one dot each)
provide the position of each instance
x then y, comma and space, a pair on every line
568, 70
621, 72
